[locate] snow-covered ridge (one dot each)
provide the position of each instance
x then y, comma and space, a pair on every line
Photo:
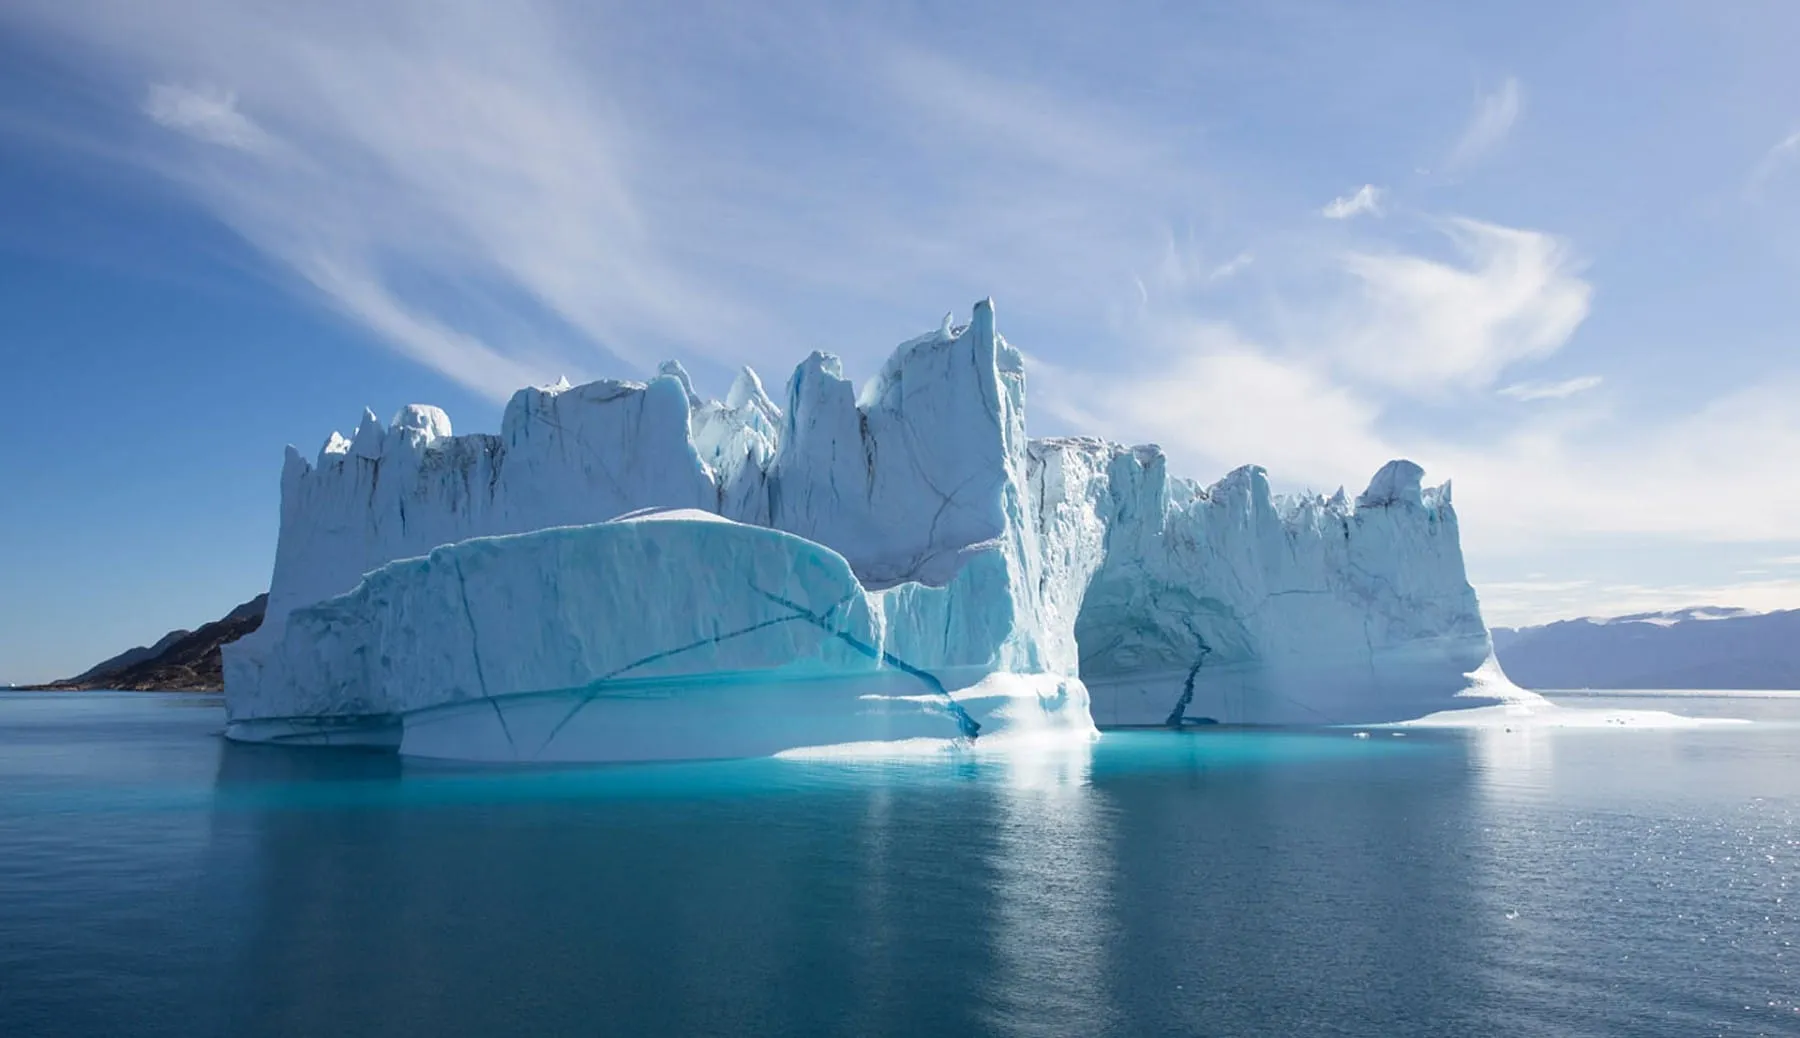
1671, 617
981, 553
1702, 647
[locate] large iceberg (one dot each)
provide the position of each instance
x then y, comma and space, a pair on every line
629, 571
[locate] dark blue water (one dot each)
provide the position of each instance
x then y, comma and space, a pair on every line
155, 880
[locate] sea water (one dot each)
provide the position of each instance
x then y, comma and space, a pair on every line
156, 880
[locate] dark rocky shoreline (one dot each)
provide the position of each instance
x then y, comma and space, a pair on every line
181, 661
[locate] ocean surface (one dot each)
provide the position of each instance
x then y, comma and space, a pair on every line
155, 880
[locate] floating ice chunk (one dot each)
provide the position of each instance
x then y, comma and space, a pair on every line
1555, 715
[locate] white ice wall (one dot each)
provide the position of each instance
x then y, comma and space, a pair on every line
982, 552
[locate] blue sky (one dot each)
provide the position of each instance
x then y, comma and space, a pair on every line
1549, 250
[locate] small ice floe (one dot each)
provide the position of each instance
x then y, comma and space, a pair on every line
1525, 716
1515, 709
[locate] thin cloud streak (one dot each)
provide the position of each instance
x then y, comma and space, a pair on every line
207, 114
1330, 409
1528, 391
391, 160
408, 163
1528, 603
1785, 153
1489, 124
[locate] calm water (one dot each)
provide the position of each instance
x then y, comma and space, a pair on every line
155, 880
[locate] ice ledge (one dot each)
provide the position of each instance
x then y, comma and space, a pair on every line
539, 646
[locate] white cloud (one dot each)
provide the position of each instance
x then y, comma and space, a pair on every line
1526, 391
1366, 199
1488, 126
207, 114
1783, 154
1330, 398
468, 360
1422, 325
425, 168
507, 192
1013, 118
444, 178
1231, 267
1215, 401
1526, 603
1186, 268
1721, 472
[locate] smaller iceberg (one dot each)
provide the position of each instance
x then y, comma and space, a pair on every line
663, 634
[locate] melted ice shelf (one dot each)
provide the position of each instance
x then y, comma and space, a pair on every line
848, 568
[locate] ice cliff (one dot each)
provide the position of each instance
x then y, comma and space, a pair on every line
630, 571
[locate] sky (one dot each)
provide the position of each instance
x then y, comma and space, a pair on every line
1550, 251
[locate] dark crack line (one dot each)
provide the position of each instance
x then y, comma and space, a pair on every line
964, 723
475, 651
593, 693
1177, 715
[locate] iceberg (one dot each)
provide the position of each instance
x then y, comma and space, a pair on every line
628, 571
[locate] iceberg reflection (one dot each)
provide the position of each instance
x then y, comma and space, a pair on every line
1053, 874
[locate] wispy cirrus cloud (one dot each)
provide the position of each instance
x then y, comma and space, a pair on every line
417, 166
1365, 199
1526, 602
1421, 325
1333, 396
1232, 267
1490, 123
505, 192
1405, 324
1528, 391
205, 113
1217, 400
1781, 157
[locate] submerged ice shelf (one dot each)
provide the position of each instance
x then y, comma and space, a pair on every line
628, 571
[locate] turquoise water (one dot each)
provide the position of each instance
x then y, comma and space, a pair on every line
156, 880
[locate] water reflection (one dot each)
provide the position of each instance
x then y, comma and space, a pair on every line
463, 902
1236, 882
1231, 882
1282, 882
1053, 879
1512, 759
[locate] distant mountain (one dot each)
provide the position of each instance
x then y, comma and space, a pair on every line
180, 661
1698, 648
130, 657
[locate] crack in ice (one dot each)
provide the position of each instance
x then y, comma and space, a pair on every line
964, 723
